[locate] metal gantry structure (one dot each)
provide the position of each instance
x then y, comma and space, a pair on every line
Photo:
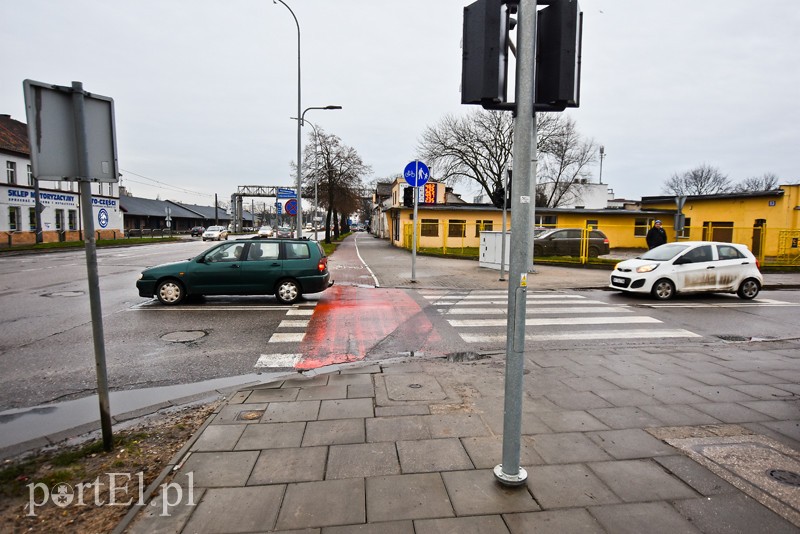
252, 191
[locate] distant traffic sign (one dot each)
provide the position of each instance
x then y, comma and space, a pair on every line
291, 206
286, 193
278, 208
416, 173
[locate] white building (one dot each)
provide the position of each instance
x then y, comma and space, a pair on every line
60, 201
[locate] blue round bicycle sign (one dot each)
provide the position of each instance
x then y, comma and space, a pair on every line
416, 173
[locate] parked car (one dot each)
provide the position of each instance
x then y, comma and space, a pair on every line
567, 242
215, 233
197, 231
283, 232
286, 268
265, 231
690, 266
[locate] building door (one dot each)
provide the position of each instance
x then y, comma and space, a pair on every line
758, 228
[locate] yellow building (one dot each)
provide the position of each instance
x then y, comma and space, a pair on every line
768, 222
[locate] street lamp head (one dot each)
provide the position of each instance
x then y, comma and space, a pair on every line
332, 107
602, 150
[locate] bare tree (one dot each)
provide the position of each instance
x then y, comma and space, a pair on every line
477, 147
564, 167
337, 170
703, 180
766, 182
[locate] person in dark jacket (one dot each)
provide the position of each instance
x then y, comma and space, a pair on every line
656, 236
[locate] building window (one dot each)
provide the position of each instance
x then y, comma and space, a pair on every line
32, 219
550, 221
13, 218
30, 176
456, 228
59, 220
483, 226
592, 224
11, 172
72, 220
641, 226
429, 227
686, 232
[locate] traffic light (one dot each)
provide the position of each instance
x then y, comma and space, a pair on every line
558, 55
408, 197
498, 194
484, 65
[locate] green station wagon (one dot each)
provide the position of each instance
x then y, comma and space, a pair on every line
286, 268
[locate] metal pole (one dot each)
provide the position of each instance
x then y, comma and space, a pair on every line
91, 264
298, 232
38, 210
509, 471
414, 225
503, 235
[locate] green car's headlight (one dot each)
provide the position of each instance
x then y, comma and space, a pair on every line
141, 275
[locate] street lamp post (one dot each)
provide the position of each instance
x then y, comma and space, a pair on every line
300, 123
602, 157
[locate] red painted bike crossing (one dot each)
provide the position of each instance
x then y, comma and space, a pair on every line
351, 323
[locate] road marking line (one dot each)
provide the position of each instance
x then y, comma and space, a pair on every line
293, 324
287, 337
278, 360
572, 336
473, 323
496, 311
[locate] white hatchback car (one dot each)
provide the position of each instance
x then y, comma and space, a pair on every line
690, 266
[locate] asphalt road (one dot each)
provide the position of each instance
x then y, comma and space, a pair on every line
47, 353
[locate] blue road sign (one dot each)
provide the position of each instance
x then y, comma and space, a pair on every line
286, 193
278, 208
416, 173
291, 206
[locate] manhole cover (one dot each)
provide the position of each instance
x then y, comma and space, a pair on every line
789, 478
250, 415
185, 336
65, 294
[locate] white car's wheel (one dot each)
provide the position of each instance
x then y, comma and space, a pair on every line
749, 289
663, 289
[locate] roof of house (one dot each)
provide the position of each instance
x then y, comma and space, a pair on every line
157, 208
721, 196
14, 136
154, 208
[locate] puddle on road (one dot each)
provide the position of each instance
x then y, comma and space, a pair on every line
24, 424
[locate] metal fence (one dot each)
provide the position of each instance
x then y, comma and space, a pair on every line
772, 246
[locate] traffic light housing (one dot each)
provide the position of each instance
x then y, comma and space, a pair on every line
558, 55
484, 49
484, 67
408, 197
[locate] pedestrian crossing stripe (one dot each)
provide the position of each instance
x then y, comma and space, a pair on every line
287, 337
551, 321
301, 311
505, 301
572, 336
278, 360
503, 311
484, 296
293, 323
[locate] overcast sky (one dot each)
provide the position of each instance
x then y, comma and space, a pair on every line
204, 90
